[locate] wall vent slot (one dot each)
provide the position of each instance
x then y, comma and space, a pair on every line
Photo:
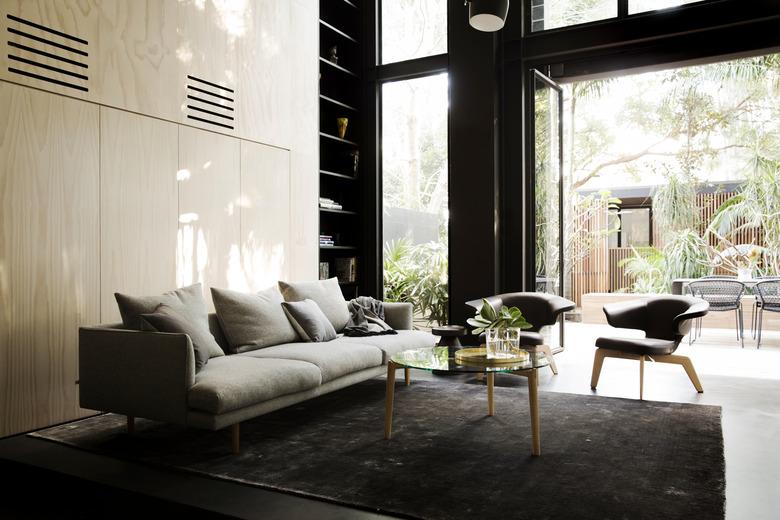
209, 102
39, 52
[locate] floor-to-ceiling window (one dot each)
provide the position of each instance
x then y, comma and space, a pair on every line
554, 14
413, 143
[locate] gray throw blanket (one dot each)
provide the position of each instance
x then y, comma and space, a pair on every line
367, 318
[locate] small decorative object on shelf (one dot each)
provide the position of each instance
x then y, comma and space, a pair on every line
333, 54
329, 203
324, 270
346, 269
341, 123
355, 161
501, 328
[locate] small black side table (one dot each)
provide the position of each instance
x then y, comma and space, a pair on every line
449, 335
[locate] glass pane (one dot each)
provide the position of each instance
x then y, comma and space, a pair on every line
642, 6
635, 228
547, 169
413, 29
415, 211
550, 14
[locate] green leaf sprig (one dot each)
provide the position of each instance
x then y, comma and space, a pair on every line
506, 318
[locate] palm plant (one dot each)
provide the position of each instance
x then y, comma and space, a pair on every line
418, 274
646, 268
755, 207
674, 205
685, 256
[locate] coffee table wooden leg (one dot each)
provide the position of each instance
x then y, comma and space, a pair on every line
407, 376
533, 401
389, 392
490, 381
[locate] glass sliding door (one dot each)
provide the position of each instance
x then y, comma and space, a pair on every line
546, 187
547, 160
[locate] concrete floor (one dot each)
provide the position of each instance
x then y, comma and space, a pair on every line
744, 382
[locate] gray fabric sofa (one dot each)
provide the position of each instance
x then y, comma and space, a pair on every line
152, 374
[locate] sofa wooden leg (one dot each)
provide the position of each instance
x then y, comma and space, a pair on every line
130, 424
641, 377
235, 438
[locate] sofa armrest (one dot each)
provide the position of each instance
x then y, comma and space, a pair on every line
399, 315
143, 374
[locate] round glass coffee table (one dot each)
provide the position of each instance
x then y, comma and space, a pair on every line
443, 359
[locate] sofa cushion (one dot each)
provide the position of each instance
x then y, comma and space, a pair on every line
335, 358
390, 344
233, 382
187, 301
308, 321
166, 319
326, 293
252, 321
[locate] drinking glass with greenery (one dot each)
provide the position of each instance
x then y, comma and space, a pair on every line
505, 318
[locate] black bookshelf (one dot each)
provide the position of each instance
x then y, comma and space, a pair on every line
340, 155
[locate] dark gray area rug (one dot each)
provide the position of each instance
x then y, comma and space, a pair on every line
601, 457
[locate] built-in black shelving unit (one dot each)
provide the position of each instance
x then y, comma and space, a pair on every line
341, 73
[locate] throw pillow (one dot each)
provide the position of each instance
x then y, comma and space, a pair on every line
309, 321
325, 293
187, 301
252, 321
166, 319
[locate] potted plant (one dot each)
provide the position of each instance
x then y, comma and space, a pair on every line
747, 262
501, 328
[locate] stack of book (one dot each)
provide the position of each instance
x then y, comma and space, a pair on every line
327, 240
329, 203
346, 269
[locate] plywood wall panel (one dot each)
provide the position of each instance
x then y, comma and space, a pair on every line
265, 111
209, 34
76, 18
139, 206
138, 57
304, 140
49, 270
209, 238
265, 214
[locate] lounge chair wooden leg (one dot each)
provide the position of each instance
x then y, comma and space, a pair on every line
408, 376
130, 424
235, 438
688, 366
641, 377
598, 361
548, 352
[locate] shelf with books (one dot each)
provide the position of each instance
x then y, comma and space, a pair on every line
342, 192
338, 211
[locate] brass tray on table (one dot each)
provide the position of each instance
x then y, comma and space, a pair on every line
478, 356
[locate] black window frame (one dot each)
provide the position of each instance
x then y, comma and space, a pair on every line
377, 75
622, 14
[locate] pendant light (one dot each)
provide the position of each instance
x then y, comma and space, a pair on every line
488, 15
